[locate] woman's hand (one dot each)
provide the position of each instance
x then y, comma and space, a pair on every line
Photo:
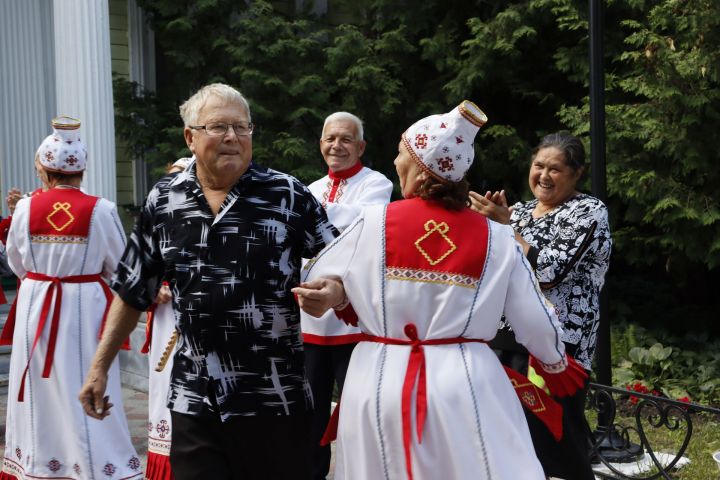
320, 295
492, 205
13, 196
164, 294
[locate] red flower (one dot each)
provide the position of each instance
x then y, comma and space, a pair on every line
684, 399
639, 388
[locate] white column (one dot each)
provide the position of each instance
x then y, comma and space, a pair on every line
84, 85
27, 90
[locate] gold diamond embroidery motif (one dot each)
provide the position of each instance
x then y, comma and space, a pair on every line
60, 218
432, 227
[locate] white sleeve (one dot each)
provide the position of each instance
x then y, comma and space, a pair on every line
376, 190
335, 259
114, 236
531, 316
18, 229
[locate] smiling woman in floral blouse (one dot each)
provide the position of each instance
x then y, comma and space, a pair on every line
566, 237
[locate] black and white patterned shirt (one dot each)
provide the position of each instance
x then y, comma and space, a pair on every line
571, 255
239, 348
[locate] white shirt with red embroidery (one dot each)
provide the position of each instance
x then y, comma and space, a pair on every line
452, 275
344, 195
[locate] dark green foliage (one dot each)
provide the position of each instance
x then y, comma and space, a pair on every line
525, 63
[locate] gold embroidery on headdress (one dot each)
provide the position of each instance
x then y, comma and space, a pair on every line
58, 209
431, 226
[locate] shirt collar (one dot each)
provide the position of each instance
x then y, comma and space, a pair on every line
188, 177
345, 174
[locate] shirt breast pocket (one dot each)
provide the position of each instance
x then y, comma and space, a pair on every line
265, 250
178, 243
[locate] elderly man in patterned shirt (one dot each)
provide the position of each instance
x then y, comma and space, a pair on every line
229, 236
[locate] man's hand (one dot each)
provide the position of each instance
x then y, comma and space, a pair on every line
121, 321
92, 394
492, 205
318, 296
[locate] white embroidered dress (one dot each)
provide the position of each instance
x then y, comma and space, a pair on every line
159, 421
63, 233
451, 275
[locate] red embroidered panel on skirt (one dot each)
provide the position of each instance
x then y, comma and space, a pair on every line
64, 212
422, 236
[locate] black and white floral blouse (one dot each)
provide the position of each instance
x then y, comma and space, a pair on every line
570, 252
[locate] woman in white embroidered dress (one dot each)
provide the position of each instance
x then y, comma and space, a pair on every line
62, 243
160, 345
425, 397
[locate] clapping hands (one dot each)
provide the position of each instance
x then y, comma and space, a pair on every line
492, 205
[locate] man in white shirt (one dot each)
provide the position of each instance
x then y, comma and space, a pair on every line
344, 191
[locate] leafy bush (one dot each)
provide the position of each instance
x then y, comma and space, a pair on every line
677, 367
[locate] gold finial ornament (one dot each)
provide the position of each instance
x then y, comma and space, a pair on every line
63, 122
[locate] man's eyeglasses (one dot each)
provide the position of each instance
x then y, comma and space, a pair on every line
219, 129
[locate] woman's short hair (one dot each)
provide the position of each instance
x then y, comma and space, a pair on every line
570, 146
190, 110
452, 195
340, 116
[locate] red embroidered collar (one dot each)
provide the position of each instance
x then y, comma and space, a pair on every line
345, 174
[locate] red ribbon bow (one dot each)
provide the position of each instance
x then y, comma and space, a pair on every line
415, 375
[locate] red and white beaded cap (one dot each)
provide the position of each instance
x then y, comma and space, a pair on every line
443, 144
63, 151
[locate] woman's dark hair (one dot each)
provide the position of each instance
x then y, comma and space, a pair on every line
63, 177
452, 195
570, 146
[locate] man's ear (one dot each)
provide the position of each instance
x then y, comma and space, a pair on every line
188, 134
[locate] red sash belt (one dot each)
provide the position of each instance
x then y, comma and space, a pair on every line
149, 328
415, 375
56, 286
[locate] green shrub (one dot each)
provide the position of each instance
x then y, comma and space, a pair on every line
678, 367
